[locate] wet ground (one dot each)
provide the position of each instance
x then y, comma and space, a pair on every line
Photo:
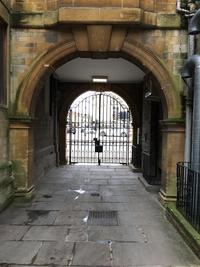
91, 216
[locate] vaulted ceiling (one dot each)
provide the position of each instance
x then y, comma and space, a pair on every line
117, 70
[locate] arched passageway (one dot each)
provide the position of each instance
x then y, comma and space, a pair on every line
163, 89
99, 130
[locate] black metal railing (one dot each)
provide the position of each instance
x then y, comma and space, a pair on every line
188, 193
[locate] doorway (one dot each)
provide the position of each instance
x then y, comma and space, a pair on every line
99, 130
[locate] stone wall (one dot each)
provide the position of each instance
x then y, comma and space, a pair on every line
45, 30
44, 152
28, 45
34, 13
169, 45
6, 178
152, 6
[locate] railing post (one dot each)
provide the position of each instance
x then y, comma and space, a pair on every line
188, 198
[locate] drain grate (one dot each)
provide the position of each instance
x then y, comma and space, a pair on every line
108, 218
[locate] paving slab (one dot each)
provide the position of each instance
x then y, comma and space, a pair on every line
71, 218
92, 254
115, 234
14, 216
96, 181
77, 234
140, 218
12, 232
46, 233
41, 217
123, 181
55, 253
49, 197
152, 254
19, 252
48, 205
52, 229
92, 196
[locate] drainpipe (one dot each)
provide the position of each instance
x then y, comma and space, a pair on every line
192, 70
193, 29
188, 109
194, 25
188, 117
188, 124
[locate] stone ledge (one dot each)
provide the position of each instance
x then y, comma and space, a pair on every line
88, 15
134, 169
24, 194
190, 235
166, 199
147, 186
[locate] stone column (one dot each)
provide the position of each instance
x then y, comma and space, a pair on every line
22, 156
173, 139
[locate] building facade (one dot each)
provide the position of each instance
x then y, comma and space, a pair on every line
38, 37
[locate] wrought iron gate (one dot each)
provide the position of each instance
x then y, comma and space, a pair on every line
99, 129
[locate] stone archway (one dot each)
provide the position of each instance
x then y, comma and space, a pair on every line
78, 89
173, 130
132, 50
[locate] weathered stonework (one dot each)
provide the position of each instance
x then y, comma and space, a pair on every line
173, 149
6, 178
46, 34
164, 6
6, 175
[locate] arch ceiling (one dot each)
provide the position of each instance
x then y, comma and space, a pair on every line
118, 70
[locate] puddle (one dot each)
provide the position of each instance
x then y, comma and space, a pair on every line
33, 215
47, 196
95, 194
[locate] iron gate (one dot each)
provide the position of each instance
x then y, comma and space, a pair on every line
98, 129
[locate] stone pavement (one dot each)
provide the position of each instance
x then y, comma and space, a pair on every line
66, 224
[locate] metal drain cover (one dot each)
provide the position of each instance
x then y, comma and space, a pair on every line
109, 218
